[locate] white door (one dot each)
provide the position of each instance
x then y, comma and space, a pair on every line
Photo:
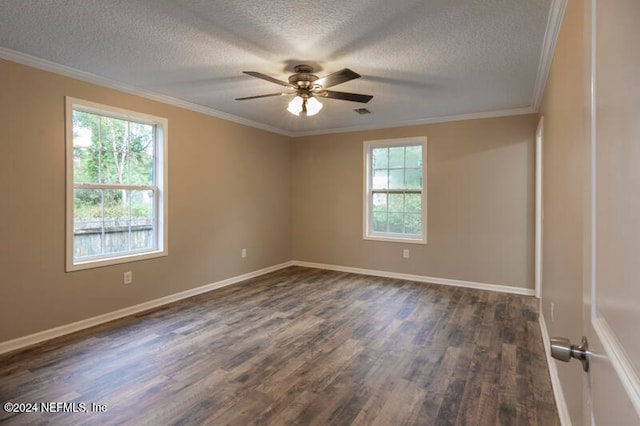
612, 238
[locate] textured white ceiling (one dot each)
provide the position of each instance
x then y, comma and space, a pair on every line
420, 59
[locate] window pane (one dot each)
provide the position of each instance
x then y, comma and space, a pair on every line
396, 203
412, 224
87, 222
379, 202
396, 223
396, 157
86, 130
140, 169
413, 178
413, 203
141, 138
142, 214
87, 204
116, 220
380, 158
380, 222
114, 167
414, 156
380, 179
85, 165
395, 185
396, 179
114, 134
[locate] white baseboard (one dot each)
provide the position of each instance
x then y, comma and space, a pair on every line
32, 339
561, 403
419, 278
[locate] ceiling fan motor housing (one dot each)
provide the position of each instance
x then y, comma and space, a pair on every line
303, 79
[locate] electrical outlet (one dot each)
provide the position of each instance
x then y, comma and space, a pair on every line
244, 253
553, 314
405, 253
128, 277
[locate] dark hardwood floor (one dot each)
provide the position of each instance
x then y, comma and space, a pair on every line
299, 346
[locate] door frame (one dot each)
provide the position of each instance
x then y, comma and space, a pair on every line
539, 211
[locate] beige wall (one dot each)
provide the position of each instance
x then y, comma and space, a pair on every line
563, 195
234, 187
480, 176
229, 188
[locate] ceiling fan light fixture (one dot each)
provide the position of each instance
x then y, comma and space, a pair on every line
295, 106
310, 106
313, 106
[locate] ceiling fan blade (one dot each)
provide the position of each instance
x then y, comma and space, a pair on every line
259, 96
344, 96
266, 77
337, 77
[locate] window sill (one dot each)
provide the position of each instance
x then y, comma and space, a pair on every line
126, 258
396, 239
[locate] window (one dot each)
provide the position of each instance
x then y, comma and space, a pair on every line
395, 200
116, 185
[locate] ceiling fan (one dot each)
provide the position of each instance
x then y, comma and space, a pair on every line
307, 87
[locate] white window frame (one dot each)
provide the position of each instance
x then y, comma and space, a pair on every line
368, 233
160, 183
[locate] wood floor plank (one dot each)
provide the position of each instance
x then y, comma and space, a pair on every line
299, 346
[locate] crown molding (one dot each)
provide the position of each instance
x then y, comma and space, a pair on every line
554, 22
432, 120
45, 65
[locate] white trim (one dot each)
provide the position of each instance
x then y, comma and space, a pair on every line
392, 238
554, 21
160, 185
417, 278
561, 403
589, 223
367, 232
591, 198
620, 362
21, 342
421, 121
539, 210
43, 64
593, 163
